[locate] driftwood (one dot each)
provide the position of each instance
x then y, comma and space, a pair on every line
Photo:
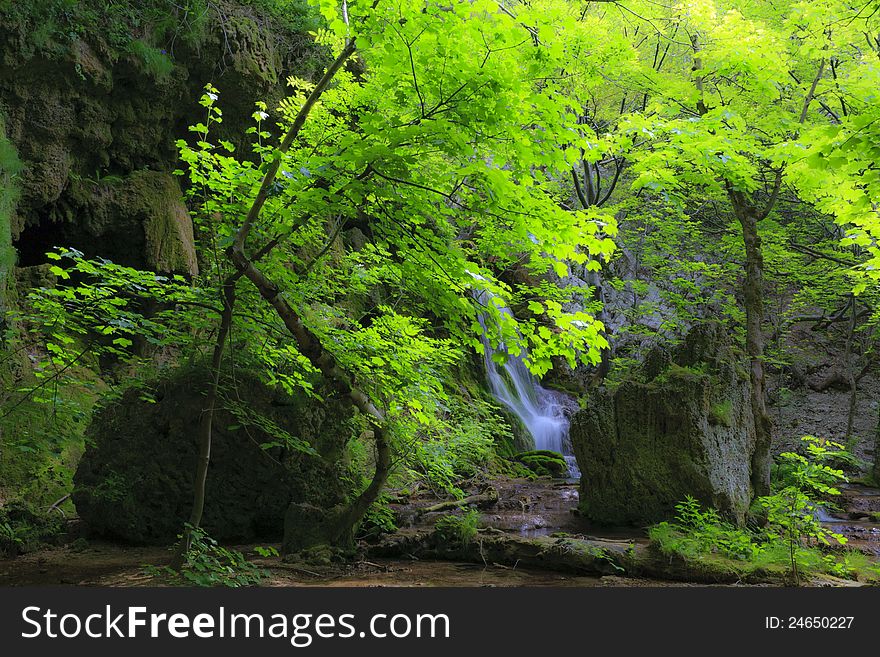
56, 506
482, 500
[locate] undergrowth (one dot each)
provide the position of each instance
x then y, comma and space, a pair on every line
458, 530
210, 564
792, 540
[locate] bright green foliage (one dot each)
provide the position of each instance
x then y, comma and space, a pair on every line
449, 174
437, 170
704, 531
108, 303
706, 98
810, 473
210, 564
459, 446
380, 518
458, 530
793, 508
793, 532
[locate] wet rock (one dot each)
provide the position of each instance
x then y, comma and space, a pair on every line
683, 430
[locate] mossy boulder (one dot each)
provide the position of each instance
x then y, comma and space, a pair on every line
135, 480
683, 427
307, 526
544, 462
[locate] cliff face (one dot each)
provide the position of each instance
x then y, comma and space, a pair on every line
94, 116
93, 96
681, 429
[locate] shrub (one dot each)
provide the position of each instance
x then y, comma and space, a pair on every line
210, 564
458, 530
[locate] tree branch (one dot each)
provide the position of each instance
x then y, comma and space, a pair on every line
299, 121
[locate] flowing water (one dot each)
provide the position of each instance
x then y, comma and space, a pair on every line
544, 412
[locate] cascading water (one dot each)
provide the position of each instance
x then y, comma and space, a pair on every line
542, 411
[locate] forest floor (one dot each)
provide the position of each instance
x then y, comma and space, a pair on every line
525, 508
108, 564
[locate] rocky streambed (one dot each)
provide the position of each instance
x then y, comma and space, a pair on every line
528, 534
535, 524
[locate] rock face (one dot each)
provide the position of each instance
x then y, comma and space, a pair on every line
142, 215
94, 122
683, 427
134, 481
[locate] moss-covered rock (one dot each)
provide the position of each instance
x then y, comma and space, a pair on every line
307, 526
135, 480
96, 93
141, 215
10, 165
683, 429
543, 462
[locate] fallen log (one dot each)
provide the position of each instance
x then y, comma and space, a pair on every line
574, 555
482, 500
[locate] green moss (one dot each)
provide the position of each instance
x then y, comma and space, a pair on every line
154, 61
149, 31
693, 373
723, 553
544, 462
10, 166
42, 439
721, 413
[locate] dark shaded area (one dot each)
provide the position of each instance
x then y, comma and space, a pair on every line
135, 480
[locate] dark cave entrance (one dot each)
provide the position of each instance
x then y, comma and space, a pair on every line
124, 245
37, 239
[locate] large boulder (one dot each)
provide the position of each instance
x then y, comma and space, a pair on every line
135, 480
682, 426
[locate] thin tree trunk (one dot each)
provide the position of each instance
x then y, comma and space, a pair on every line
309, 345
311, 348
358, 508
206, 422
753, 296
753, 300
207, 418
877, 450
850, 374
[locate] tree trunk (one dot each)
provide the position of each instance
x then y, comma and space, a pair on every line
850, 373
753, 299
310, 346
307, 342
206, 422
354, 512
877, 451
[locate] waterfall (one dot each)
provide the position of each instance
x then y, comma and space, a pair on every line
542, 411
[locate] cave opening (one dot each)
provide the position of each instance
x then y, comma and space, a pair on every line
35, 240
